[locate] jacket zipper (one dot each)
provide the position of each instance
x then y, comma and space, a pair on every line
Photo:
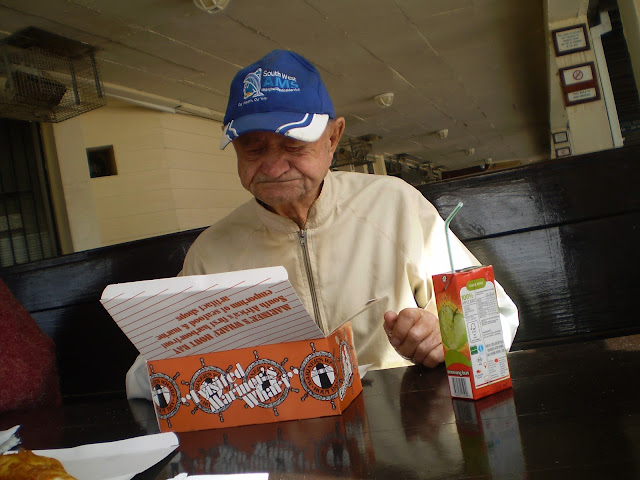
302, 234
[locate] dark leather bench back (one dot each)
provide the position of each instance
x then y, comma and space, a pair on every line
563, 237
63, 296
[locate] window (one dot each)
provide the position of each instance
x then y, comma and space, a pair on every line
102, 162
27, 231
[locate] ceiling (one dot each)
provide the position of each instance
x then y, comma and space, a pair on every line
475, 68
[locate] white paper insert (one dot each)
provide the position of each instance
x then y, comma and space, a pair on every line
180, 316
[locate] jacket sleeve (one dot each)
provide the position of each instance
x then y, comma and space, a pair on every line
508, 316
137, 380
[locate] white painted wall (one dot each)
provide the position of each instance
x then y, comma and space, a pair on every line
587, 124
630, 16
171, 175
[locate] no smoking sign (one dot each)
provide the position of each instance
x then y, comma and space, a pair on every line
579, 84
580, 74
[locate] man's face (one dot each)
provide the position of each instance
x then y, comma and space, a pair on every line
283, 172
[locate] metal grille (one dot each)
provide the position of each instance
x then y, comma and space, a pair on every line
47, 85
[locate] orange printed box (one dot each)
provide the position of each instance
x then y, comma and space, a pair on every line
475, 355
233, 349
279, 382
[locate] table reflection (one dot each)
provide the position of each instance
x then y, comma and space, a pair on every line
336, 445
440, 436
563, 419
490, 435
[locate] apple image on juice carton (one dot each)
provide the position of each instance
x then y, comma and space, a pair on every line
474, 351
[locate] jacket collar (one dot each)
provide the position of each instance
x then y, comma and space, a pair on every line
318, 213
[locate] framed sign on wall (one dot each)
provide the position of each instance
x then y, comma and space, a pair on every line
579, 84
560, 137
570, 40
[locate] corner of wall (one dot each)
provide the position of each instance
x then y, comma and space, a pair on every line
74, 172
56, 188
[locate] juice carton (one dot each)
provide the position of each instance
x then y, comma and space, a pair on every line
474, 351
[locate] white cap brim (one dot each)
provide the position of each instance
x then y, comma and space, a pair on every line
306, 127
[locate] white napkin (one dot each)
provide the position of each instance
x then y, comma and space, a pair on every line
121, 460
9, 439
228, 476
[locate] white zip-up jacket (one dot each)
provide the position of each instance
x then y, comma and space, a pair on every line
366, 236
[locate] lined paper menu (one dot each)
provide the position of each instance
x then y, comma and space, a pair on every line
179, 316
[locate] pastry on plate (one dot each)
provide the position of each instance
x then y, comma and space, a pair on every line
26, 465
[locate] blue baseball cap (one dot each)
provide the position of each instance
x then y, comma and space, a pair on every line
283, 93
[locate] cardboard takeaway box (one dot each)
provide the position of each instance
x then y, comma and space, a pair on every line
232, 349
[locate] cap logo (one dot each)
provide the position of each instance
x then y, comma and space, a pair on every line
279, 82
253, 84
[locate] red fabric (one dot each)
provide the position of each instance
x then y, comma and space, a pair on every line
28, 371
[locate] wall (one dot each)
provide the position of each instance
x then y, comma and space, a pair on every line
630, 16
204, 179
171, 176
587, 124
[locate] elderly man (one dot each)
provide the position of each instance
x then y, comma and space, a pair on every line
344, 238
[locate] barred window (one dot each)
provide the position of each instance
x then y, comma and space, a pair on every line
26, 228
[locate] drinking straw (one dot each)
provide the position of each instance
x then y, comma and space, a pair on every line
446, 233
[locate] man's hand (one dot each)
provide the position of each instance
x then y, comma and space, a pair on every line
415, 334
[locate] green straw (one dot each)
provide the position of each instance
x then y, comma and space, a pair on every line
446, 233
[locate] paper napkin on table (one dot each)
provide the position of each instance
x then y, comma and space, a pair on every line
9, 439
120, 460
226, 476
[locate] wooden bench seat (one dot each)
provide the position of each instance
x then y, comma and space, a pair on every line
562, 236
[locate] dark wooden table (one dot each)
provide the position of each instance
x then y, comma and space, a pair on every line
573, 412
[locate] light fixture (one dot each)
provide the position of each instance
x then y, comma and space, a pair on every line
444, 133
384, 100
211, 6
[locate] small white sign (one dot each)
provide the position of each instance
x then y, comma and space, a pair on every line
581, 74
560, 137
573, 39
582, 95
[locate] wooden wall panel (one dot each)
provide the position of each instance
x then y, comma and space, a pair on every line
562, 236
568, 281
93, 354
585, 187
63, 296
81, 277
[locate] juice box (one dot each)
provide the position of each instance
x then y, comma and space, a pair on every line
474, 351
